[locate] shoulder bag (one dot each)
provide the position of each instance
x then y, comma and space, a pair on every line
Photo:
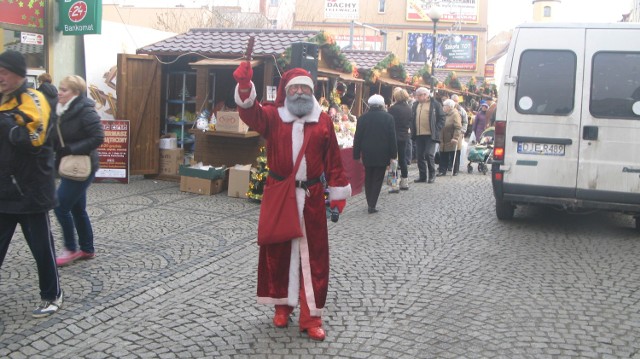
279, 219
74, 167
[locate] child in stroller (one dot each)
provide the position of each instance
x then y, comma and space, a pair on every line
481, 152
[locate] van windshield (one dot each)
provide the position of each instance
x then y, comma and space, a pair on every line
546, 82
615, 85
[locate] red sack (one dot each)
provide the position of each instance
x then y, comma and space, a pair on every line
279, 221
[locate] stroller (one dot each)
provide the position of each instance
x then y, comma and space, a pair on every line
482, 152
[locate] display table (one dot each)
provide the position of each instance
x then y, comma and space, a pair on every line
226, 148
353, 169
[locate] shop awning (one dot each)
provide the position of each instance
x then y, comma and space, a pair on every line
224, 62
324, 71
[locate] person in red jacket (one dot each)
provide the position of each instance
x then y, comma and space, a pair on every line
297, 269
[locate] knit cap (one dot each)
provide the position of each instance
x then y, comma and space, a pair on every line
14, 62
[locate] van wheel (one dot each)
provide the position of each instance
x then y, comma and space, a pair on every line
505, 210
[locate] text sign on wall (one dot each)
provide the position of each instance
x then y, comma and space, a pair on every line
342, 9
451, 10
80, 17
114, 152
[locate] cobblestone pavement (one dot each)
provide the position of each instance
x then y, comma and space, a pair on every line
434, 274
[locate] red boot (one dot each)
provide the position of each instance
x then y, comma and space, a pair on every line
281, 318
316, 333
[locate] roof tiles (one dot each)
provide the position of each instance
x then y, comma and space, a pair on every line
228, 42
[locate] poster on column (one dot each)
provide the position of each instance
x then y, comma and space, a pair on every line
114, 152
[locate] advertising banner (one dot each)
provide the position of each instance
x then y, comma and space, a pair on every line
80, 17
453, 52
342, 9
451, 10
114, 152
369, 42
19, 13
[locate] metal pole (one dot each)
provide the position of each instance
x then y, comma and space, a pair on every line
351, 35
433, 58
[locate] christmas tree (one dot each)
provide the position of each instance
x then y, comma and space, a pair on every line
259, 177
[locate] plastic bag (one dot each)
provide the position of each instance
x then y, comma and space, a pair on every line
392, 175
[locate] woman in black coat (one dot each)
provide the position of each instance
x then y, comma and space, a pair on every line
82, 134
375, 145
401, 112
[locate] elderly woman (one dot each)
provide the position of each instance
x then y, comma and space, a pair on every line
449, 136
375, 145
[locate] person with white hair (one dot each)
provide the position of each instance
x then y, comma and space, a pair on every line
375, 145
427, 122
449, 136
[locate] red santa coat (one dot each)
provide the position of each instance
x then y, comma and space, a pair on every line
280, 265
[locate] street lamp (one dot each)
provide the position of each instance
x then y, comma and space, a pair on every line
434, 14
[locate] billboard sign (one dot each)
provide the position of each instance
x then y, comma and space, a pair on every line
342, 9
80, 17
453, 52
451, 10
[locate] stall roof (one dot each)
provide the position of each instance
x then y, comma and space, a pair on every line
224, 62
325, 71
392, 82
228, 42
365, 59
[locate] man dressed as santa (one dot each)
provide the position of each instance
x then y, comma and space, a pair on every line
296, 269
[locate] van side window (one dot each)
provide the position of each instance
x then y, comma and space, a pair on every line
615, 85
546, 82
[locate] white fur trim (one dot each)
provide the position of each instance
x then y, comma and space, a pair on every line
249, 101
313, 116
338, 193
294, 274
300, 80
305, 266
297, 137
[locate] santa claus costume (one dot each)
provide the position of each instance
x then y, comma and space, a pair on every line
296, 269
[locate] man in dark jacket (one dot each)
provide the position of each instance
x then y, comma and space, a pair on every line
27, 187
428, 121
375, 142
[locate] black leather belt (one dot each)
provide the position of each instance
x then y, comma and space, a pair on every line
300, 184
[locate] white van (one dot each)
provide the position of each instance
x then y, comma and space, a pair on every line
567, 129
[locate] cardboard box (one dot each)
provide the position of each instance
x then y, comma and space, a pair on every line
168, 142
211, 174
239, 177
170, 161
230, 122
201, 185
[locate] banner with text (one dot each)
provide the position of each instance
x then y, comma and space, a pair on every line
451, 10
453, 52
114, 152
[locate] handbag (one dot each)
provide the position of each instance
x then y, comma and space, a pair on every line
279, 220
74, 167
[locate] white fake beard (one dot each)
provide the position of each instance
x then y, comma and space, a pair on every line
300, 104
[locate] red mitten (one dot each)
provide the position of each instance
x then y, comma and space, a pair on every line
341, 203
243, 75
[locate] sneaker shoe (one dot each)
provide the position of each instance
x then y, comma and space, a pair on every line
46, 308
86, 255
67, 257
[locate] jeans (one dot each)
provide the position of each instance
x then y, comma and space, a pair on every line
72, 214
402, 161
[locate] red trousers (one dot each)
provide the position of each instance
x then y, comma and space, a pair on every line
306, 320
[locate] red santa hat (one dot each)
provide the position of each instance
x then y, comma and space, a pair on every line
296, 76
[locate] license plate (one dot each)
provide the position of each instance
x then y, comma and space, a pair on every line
546, 149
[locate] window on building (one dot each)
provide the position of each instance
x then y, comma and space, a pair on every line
380, 5
547, 11
546, 82
273, 2
615, 85
273, 24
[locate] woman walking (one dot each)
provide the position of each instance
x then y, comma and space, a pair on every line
375, 142
401, 112
449, 137
81, 131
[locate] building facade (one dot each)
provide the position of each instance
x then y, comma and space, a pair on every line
404, 28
